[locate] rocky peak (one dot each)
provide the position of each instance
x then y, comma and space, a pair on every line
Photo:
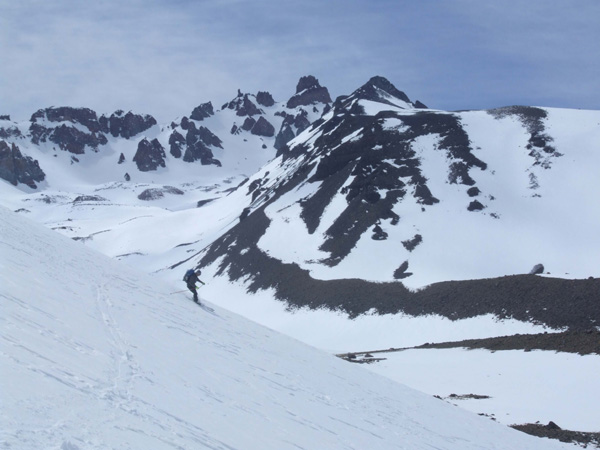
243, 105
127, 124
379, 89
204, 111
83, 116
308, 92
265, 99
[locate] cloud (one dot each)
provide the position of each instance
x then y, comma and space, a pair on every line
164, 58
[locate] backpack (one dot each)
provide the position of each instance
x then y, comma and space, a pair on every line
188, 275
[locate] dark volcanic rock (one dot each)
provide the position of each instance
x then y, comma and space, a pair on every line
176, 144
89, 198
554, 302
248, 123
308, 92
285, 135
150, 155
475, 206
264, 99
157, 193
83, 116
243, 105
583, 342
377, 89
74, 141
9, 130
198, 142
17, 168
537, 269
68, 136
204, 111
263, 128
401, 272
129, 125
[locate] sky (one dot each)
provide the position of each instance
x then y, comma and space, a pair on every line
166, 57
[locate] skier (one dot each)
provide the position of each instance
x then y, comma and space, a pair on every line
191, 277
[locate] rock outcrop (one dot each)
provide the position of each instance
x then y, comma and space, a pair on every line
150, 155
308, 92
204, 111
126, 125
17, 168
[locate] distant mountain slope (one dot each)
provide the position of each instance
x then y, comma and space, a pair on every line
379, 190
96, 355
352, 204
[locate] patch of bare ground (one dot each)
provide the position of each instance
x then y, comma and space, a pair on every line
553, 431
581, 342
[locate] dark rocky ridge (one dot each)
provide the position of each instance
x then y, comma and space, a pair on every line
582, 342
126, 125
553, 431
554, 302
69, 136
383, 166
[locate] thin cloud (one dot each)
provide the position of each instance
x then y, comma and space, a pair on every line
164, 58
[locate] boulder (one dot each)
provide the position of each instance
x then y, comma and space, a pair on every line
537, 269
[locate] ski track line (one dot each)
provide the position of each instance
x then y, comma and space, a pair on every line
126, 367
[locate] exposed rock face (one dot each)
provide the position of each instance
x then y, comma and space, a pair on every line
378, 89
309, 91
150, 155
243, 105
298, 122
127, 125
7, 129
537, 269
285, 135
83, 116
68, 135
16, 168
198, 142
176, 144
264, 99
204, 111
74, 141
263, 127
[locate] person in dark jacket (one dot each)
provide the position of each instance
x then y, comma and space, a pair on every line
191, 278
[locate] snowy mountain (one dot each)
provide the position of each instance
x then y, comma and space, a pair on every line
97, 355
367, 223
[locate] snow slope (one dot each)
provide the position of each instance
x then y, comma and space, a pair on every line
97, 355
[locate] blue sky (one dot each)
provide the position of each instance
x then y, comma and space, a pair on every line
166, 57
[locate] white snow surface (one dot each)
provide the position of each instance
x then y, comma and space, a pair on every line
97, 355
